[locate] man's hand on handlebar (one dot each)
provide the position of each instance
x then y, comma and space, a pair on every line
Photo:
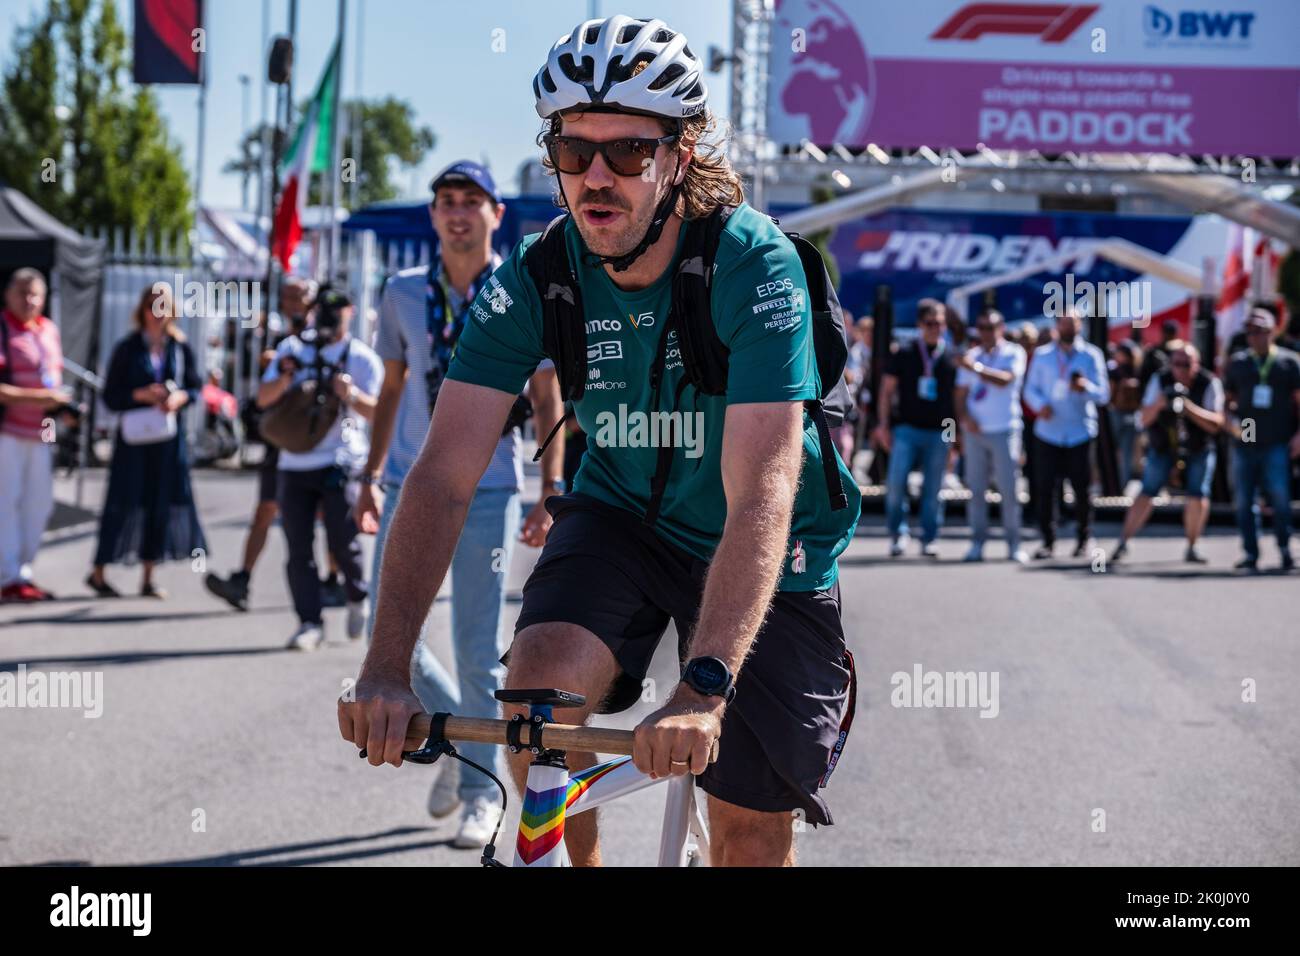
377, 716
679, 738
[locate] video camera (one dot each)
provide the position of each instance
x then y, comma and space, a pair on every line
1175, 396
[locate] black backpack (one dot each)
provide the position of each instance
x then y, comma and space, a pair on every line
704, 356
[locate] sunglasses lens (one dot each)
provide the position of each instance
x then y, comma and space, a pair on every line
571, 156
630, 157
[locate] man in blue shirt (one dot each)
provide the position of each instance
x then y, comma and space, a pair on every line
1066, 382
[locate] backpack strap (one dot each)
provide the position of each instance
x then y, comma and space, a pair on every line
564, 330
704, 356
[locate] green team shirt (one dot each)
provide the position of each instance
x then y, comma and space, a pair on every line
760, 308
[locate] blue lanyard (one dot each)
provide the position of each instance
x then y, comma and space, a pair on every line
444, 329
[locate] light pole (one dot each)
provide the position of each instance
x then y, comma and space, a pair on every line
244, 81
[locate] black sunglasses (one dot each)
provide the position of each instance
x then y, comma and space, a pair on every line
624, 157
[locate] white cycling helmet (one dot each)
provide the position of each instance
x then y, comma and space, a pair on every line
595, 66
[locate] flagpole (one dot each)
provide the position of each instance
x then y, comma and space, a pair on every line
203, 128
336, 151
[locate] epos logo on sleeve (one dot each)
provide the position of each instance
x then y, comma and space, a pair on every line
1050, 22
775, 287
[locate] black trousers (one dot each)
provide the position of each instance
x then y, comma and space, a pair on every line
1052, 464
303, 494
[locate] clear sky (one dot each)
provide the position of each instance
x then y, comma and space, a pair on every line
436, 54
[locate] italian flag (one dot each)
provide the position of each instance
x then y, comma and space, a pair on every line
309, 154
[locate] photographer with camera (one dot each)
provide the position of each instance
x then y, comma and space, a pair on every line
1182, 409
317, 396
296, 295
421, 316
31, 390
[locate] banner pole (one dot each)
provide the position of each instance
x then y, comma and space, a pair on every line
336, 152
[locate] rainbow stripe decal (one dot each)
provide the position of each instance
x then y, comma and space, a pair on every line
580, 782
541, 823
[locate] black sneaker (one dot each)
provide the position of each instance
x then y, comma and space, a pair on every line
332, 593
1192, 556
1288, 562
1082, 548
232, 590
1043, 553
1120, 552
1247, 564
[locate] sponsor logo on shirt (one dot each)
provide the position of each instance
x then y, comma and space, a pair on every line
604, 325
597, 382
776, 287
478, 312
643, 321
770, 304
600, 351
498, 297
673, 353
784, 320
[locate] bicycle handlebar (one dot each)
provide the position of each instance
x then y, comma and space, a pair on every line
553, 736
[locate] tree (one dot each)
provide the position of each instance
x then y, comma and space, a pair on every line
389, 139
76, 140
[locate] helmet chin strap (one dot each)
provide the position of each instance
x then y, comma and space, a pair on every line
624, 262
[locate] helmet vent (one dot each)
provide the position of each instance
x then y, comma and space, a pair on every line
629, 32
673, 73
592, 34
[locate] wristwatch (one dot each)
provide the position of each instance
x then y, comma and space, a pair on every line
558, 486
710, 677
372, 479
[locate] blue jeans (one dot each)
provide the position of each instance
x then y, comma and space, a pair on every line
1267, 469
1125, 428
1196, 481
478, 589
926, 449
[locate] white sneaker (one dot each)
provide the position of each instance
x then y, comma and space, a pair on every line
306, 638
1020, 556
897, 545
358, 614
976, 553
444, 798
477, 821
929, 549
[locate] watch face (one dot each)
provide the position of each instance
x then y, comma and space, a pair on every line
709, 673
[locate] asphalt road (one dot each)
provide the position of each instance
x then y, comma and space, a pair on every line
1119, 691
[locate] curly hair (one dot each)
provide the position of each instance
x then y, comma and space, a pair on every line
710, 179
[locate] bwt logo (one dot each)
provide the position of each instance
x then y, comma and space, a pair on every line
1196, 24
1050, 22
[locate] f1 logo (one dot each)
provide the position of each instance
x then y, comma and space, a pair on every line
1050, 22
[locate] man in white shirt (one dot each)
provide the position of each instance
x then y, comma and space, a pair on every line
988, 400
1182, 410
324, 478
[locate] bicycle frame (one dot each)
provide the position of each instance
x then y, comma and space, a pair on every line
552, 794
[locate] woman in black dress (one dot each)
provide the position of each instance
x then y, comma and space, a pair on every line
149, 512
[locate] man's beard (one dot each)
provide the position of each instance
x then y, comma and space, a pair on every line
618, 243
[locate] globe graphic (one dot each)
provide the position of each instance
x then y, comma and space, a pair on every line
829, 81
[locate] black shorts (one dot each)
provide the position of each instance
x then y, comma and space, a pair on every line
268, 473
603, 570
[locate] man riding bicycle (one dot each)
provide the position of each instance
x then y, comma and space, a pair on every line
735, 539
